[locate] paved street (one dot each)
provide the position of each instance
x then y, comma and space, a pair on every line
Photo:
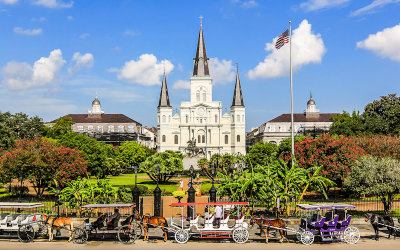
255, 242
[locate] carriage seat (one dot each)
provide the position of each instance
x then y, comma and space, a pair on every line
331, 223
344, 223
99, 222
239, 221
3, 218
24, 219
113, 223
225, 219
13, 219
195, 221
128, 220
313, 225
210, 219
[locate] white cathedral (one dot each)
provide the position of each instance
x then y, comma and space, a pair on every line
202, 119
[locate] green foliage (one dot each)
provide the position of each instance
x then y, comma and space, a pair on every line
18, 126
263, 153
131, 154
179, 193
373, 176
80, 192
99, 156
60, 128
383, 116
285, 147
169, 163
346, 124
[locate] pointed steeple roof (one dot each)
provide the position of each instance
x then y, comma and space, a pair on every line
200, 67
237, 94
164, 97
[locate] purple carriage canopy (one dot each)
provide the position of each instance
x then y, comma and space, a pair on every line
321, 206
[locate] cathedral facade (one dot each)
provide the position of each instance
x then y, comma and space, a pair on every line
201, 121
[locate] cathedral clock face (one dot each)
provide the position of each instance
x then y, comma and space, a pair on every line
201, 111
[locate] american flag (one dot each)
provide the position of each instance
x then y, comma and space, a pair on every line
282, 39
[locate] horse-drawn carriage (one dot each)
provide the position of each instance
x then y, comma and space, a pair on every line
106, 225
187, 228
333, 226
26, 226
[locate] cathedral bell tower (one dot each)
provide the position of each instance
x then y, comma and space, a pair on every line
164, 114
238, 118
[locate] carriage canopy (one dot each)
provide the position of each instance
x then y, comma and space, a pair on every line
93, 206
321, 206
20, 205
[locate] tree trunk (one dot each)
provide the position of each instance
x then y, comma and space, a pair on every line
387, 203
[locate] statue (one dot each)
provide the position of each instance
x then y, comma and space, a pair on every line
192, 149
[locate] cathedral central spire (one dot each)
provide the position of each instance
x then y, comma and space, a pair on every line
237, 93
200, 67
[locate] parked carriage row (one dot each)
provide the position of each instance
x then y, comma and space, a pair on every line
333, 226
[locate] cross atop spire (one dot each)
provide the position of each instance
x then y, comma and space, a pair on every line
237, 93
200, 67
164, 97
201, 20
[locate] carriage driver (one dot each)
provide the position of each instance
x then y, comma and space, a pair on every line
113, 217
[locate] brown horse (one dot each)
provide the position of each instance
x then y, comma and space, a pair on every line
54, 223
152, 222
267, 224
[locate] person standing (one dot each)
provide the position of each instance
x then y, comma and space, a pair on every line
181, 185
218, 215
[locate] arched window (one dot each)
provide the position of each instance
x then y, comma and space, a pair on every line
187, 119
238, 138
199, 139
198, 96
164, 118
238, 118
226, 139
169, 118
163, 138
233, 118
203, 139
176, 139
216, 118
204, 96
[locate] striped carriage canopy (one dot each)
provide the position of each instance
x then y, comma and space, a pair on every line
209, 204
94, 206
20, 205
321, 206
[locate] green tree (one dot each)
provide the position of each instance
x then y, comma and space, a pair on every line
169, 163
96, 153
131, 154
60, 128
18, 126
285, 147
347, 125
263, 153
372, 176
383, 116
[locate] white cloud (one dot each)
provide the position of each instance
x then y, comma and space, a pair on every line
9, 1
372, 6
79, 62
130, 33
249, 4
307, 47
40, 19
221, 71
84, 35
70, 18
313, 5
147, 70
181, 84
385, 43
28, 32
19, 76
54, 3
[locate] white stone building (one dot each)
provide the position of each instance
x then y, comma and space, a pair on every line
311, 122
201, 119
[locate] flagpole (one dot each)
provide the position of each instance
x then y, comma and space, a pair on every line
291, 91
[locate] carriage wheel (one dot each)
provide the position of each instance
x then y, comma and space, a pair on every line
80, 236
298, 233
307, 238
181, 236
351, 235
26, 233
240, 235
138, 230
127, 234
43, 229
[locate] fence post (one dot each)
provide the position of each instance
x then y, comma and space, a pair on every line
141, 205
157, 201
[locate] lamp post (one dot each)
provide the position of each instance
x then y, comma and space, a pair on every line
157, 193
213, 191
58, 200
136, 191
191, 194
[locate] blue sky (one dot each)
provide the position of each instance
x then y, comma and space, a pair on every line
55, 55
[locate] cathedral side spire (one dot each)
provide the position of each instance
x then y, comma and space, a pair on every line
237, 94
200, 67
164, 97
